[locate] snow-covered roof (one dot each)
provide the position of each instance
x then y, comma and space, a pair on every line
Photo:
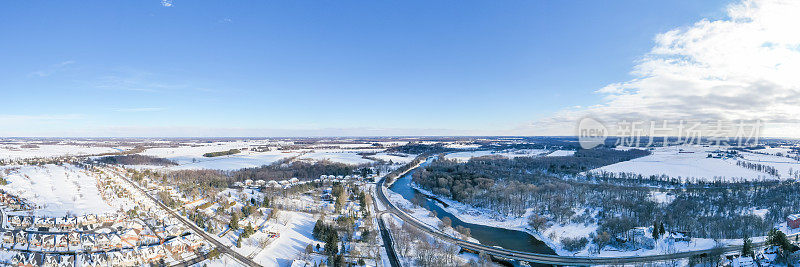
793, 217
742, 261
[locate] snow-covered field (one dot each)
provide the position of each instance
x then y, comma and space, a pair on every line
58, 190
341, 156
394, 157
295, 236
185, 153
692, 163
561, 153
462, 146
774, 150
780, 163
16, 151
232, 162
466, 155
190, 157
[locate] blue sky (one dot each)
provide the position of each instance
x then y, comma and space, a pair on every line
233, 68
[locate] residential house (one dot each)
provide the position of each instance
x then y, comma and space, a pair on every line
793, 221
48, 242
89, 242
62, 242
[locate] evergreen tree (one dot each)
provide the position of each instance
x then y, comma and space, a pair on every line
655, 231
339, 261
747, 247
362, 201
661, 230
777, 238
265, 203
234, 224
318, 228
332, 243
248, 230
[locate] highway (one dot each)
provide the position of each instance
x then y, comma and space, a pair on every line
223, 249
385, 236
535, 257
387, 243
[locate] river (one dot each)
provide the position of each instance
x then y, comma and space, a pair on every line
487, 235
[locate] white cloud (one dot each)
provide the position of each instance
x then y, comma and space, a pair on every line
744, 67
51, 69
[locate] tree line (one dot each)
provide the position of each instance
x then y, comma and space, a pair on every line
512, 186
222, 153
136, 159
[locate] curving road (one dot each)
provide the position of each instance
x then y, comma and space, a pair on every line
385, 235
541, 258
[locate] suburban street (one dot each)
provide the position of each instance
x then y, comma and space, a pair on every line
223, 249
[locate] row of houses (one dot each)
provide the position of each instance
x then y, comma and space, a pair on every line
340, 178
68, 223
13, 202
267, 184
125, 234
74, 241
293, 181
122, 257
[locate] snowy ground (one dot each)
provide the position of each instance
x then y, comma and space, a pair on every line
465, 258
555, 233
691, 163
465, 156
462, 146
421, 214
341, 156
394, 157
196, 150
16, 151
561, 153
781, 163
295, 236
232, 162
191, 156
58, 190
774, 150
223, 261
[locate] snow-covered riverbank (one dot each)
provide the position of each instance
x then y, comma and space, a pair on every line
422, 215
479, 216
555, 233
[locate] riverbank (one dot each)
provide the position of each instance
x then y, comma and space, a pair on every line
396, 177
489, 218
423, 215
555, 233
